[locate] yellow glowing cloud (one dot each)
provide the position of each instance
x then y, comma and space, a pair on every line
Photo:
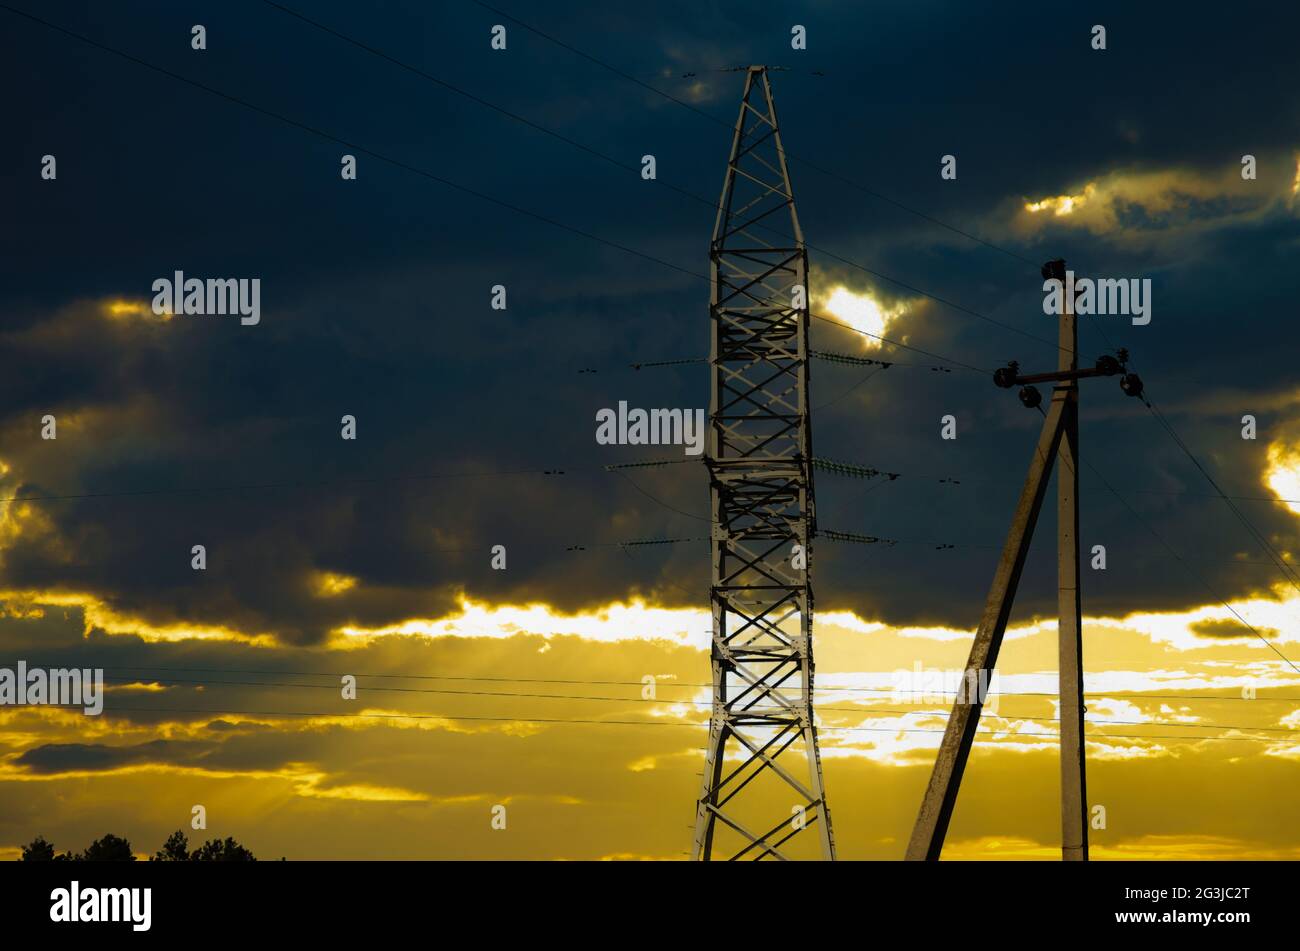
1282, 476
1188, 847
636, 621
1125, 202
26, 522
861, 310
119, 309
310, 786
100, 616
1275, 618
849, 621
328, 584
307, 783
1062, 204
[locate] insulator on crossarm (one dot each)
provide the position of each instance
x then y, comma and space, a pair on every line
1005, 377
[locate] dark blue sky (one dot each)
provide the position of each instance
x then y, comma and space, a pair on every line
375, 292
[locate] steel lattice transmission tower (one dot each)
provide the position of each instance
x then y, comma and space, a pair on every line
762, 793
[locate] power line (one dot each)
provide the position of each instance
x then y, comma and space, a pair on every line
1160, 538
1276, 558
853, 359
826, 355
728, 126
704, 595
351, 145
1113, 694
835, 399
960, 479
293, 484
1213, 495
663, 723
406, 166
672, 541
635, 169
669, 363
647, 464
866, 333
854, 537
704, 703
658, 501
1268, 548
840, 468
868, 472
1288, 573
850, 469
330, 483
838, 358
553, 471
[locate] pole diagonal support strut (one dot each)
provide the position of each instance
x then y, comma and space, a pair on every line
1057, 443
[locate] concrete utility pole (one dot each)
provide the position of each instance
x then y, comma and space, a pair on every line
762, 733
1074, 799
1059, 439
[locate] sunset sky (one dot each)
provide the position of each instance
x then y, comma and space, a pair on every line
525, 687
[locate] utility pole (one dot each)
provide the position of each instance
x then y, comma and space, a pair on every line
762, 735
1074, 799
1059, 439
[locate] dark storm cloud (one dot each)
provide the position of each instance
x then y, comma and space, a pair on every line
1221, 629
70, 757
375, 301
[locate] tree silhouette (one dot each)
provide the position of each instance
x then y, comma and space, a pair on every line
42, 850
110, 848
175, 849
216, 850
39, 851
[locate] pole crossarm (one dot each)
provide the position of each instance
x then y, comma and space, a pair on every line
1063, 376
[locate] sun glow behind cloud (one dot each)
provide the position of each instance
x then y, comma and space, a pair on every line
1126, 202
862, 311
1062, 205
120, 309
99, 616
866, 730
1282, 476
635, 620
329, 584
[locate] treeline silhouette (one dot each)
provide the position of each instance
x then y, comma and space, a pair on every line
112, 848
